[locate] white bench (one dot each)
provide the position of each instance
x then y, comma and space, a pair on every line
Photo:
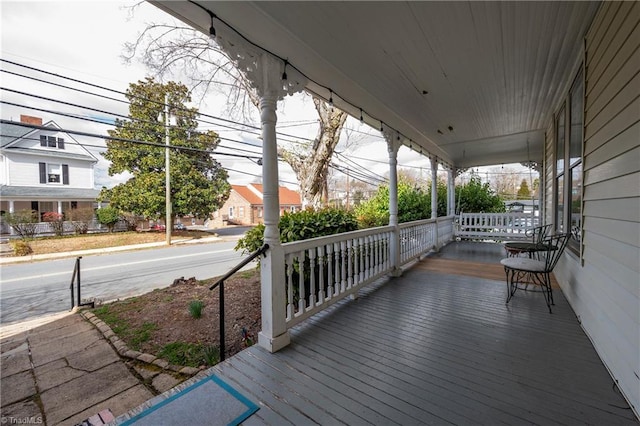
495, 226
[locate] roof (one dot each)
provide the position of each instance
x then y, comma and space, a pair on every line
57, 193
286, 195
13, 132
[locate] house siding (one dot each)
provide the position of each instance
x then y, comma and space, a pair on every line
23, 170
604, 286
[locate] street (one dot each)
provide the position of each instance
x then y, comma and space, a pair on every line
29, 290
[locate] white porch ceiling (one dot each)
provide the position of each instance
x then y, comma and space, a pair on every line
494, 71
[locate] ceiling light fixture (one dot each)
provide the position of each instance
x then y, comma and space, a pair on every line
284, 71
330, 97
361, 117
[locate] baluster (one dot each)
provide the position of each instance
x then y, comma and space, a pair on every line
336, 272
322, 262
289, 265
325, 295
343, 266
349, 254
302, 259
313, 268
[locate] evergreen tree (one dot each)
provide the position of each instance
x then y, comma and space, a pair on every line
198, 183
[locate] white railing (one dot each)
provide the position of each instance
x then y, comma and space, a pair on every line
416, 238
43, 229
445, 230
495, 226
321, 271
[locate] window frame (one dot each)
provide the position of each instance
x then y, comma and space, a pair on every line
565, 169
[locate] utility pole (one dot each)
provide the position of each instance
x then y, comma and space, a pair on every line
167, 172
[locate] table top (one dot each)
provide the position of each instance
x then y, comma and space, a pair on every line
526, 246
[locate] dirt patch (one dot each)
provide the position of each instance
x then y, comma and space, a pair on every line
151, 322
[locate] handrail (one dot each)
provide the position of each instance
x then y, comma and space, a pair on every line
241, 265
220, 285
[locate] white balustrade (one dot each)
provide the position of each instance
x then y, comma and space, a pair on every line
495, 226
321, 271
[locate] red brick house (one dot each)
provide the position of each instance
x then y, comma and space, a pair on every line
245, 206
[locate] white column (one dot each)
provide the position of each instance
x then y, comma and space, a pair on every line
12, 206
59, 207
266, 72
434, 197
434, 188
451, 191
393, 145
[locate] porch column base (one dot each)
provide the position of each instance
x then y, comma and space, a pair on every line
396, 273
274, 344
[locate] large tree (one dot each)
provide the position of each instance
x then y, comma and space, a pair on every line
198, 183
167, 49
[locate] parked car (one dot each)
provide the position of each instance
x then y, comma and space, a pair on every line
179, 227
158, 227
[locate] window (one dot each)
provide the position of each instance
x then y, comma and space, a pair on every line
560, 148
569, 141
54, 173
230, 212
240, 211
259, 211
51, 142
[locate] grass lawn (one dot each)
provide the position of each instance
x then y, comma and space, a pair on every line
97, 241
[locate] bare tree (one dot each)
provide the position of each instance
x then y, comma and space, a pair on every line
168, 49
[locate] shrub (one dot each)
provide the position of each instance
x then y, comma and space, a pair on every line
195, 308
55, 221
131, 220
23, 222
21, 248
302, 225
80, 219
108, 216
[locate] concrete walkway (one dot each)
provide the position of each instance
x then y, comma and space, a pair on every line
62, 373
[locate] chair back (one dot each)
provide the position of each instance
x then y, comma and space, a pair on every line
539, 233
556, 244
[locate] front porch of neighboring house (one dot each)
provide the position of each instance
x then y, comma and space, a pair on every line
436, 345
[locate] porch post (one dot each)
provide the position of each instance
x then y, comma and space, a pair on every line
451, 192
434, 198
272, 82
393, 145
12, 207
59, 207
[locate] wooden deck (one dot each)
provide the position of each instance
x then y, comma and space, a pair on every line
433, 347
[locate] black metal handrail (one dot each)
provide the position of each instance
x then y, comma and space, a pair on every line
220, 285
76, 277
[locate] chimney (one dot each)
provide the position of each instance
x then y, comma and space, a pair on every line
28, 119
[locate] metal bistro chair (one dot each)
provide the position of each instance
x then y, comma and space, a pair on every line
537, 234
536, 271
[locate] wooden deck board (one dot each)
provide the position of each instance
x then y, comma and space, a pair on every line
434, 346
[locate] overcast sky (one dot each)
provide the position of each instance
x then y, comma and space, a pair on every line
84, 40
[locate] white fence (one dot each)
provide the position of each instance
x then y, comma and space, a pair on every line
495, 226
44, 229
321, 271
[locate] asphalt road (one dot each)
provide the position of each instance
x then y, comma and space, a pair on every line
29, 290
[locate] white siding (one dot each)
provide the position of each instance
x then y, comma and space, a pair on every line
605, 291
23, 170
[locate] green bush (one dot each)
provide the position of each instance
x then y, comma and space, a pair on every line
302, 225
21, 248
108, 216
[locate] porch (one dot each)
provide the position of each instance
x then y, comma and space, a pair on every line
436, 345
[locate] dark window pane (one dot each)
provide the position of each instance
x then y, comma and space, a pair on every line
65, 174
43, 172
576, 199
560, 120
43, 140
52, 141
576, 112
60, 143
560, 205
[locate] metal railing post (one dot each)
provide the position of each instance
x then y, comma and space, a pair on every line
78, 279
222, 337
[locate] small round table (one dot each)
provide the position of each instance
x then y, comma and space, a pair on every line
514, 248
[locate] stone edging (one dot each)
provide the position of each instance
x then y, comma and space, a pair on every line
123, 350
